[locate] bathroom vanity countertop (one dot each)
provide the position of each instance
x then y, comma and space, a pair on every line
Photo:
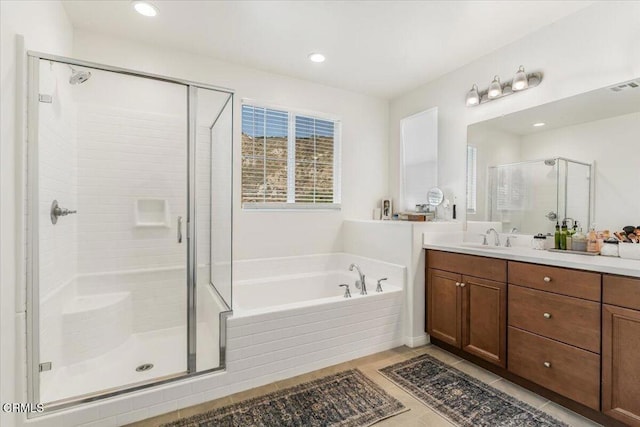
599, 263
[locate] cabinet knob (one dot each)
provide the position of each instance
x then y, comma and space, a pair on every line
462, 285
547, 315
547, 279
547, 364
457, 283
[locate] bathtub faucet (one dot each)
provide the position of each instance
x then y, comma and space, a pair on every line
360, 284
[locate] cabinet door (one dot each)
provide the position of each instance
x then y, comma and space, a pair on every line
443, 306
621, 364
484, 319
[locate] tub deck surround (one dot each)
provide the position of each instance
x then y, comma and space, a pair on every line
290, 315
301, 290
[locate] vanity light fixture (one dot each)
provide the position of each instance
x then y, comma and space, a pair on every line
145, 8
473, 98
495, 88
316, 57
521, 82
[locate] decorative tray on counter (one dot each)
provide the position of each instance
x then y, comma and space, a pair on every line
567, 251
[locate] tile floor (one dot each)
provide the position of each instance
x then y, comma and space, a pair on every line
419, 415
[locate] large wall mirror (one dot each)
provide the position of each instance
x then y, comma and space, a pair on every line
574, 158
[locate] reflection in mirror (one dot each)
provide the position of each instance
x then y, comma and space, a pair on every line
532, 196
435, 196
519, 174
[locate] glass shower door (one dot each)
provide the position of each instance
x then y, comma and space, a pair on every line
524, 196
109, 201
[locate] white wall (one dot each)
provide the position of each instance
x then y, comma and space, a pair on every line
45, 27
609, 143
364, 142
592, 48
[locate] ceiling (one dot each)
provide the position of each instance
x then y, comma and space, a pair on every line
380, 48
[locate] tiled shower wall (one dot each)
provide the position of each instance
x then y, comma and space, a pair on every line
123, 156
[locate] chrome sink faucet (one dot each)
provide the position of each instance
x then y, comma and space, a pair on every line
360, 284
497, 239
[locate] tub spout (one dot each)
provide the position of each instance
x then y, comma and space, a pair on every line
360, 284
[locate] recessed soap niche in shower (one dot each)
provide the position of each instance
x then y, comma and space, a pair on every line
151, 213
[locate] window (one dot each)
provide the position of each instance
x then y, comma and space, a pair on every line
472, 153
289, 160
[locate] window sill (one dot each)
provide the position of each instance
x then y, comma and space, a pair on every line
291, 206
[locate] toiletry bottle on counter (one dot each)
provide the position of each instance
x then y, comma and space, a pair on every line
556, 236
592, 240
563, 236
579, 241
570, 232
539, 242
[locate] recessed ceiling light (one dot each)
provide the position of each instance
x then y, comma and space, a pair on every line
537, 125
316, 57
144, 8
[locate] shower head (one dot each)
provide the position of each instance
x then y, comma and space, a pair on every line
550, 162
78, 76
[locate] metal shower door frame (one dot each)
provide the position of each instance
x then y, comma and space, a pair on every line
32, 274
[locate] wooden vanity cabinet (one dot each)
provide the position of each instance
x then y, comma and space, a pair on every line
464, 309
554, 329
621, 349
573, 332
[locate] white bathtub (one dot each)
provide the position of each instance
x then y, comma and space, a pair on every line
300, 290
290, 316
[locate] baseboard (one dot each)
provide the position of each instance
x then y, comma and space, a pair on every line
418, 341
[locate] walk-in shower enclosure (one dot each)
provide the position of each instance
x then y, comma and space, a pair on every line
531, 196
128, 214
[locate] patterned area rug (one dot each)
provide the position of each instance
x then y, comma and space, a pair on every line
464, 400
346, 399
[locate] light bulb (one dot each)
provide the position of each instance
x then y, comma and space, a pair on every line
472, 96
495, 89
520, 80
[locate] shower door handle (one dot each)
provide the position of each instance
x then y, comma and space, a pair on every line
179, 229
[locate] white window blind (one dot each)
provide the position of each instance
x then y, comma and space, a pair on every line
289, 160
472, 154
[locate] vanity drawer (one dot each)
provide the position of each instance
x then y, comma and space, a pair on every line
575, 283
471, 265
567, 370
621, 291
570, 320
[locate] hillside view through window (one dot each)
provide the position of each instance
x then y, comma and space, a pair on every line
287, 157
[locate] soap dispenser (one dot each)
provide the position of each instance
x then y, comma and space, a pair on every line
579, 241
